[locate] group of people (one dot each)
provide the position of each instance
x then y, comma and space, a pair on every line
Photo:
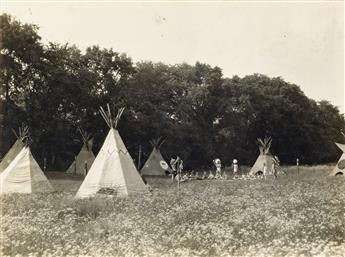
222, 175
274, 168
179, 174
177, 169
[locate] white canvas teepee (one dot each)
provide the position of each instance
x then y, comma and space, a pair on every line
85, 157
16, 148
155, 164
24, 175
265, 157
339, 169
113, 172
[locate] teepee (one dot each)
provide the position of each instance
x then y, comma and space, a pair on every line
155, 164
21, 136
85, 157
113, 172
24, 175
339, 169
265, 157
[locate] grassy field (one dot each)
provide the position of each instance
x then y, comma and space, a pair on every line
295, 215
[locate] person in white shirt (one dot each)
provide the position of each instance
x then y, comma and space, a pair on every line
218, 165
235, 164
235, 167
265, 170
274, 168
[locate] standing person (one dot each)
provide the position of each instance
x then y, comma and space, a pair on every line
265, 170
235, 167
274, 168
218, 165
173, 167
179, 166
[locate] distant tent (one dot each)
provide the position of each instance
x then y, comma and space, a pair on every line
85, 157
113, 172
23, 175
339, 169
155, 164
265, 157
21, 136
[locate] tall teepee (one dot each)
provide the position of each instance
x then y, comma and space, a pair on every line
265, 157
85, 157
113, 171
155, 164
21, 136
23, 175
339, 169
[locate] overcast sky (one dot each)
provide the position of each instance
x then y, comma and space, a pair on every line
303, 42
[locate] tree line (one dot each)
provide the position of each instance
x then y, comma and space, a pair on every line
53, 88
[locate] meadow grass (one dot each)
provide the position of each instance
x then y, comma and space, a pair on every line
295, 215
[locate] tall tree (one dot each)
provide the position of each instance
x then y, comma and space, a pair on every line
20, 63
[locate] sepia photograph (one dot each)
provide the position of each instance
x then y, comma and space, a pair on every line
187, 128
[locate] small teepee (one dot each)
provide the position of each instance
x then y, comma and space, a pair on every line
339, 169
265, 157
21, 136
155, 164
24, 175
113, 172
85, 157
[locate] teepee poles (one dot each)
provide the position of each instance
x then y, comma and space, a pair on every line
108, 117
23, 133
86, 137
264, 145
157, 142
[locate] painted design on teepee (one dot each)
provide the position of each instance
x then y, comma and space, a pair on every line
113, 171
265, 157
22, 135
85, 157
155, 164
24, 175
339, 169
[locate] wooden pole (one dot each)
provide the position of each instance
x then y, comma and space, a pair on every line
178, 179
178, 174
297, 163
75, 164
139, 158
44, 164
85, 167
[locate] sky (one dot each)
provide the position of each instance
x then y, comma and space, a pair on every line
302, 42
